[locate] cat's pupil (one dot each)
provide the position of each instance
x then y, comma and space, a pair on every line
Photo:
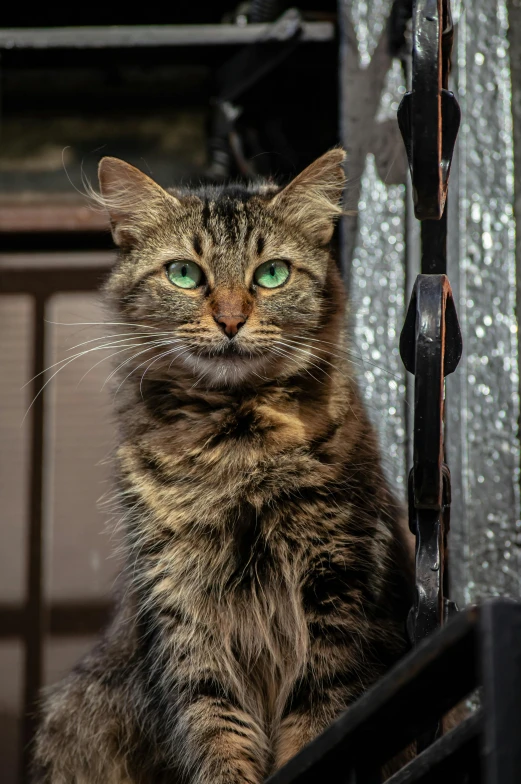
272, 270
183, 271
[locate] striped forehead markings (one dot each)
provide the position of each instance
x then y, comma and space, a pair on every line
196, 241
226, 219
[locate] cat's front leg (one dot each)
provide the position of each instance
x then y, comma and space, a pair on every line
339, 671
315, 705
220, 743
345, 658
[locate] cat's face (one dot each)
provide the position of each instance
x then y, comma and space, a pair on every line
233, 283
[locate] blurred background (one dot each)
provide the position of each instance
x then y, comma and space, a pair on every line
211, 91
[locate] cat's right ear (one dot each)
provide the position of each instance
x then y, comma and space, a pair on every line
312, 199
132, 199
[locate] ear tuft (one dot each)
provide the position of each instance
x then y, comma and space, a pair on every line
131, 198
312, 199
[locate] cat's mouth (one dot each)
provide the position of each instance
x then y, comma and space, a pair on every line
226, 365
231, 351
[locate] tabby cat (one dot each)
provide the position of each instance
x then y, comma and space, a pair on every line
267, 575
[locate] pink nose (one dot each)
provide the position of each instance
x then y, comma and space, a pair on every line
231, 324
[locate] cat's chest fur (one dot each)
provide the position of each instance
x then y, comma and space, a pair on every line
227, 519
196, 465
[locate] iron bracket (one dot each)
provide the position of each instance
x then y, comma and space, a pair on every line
430, 343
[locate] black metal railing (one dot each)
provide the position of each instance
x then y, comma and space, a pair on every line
430, 343
478, 649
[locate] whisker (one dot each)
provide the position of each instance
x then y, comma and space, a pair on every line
133, 369
313, 364
173, 358
198, 380
350, 353
309, 354
287, 355
300, 342
155, 345
320, 359
127, 335
63, 364
98, 324
126, 348
165, 354
262, 378
66, 360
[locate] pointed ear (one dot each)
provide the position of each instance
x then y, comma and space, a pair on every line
312, 199
132, 199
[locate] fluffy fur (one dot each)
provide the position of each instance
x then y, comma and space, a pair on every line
267, 580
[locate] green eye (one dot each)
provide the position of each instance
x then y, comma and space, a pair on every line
185, 274
272, 274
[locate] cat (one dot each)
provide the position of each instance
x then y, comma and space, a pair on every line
267, 577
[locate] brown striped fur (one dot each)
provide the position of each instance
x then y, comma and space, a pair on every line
267, 579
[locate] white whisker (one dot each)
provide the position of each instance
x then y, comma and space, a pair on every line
98, 324
282, 353
136, 368
349, 354
66, 360
63, 364
307, 353
311, 354
125, 335
155, 345
151, 345
165, 354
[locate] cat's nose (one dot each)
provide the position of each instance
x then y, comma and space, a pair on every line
231, 324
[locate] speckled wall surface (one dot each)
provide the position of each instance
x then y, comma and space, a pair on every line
482, 396
374, 258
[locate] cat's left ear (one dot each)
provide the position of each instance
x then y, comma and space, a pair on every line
133, 200
312, 199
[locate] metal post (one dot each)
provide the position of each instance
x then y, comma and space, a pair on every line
500, 639
430, 343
